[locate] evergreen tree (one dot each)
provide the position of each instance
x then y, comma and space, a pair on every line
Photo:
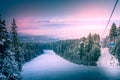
14, 34
94, 54
90, 42
81, 49
8, 65
19, 54
96, 38
117, 49
113, 32
118, 31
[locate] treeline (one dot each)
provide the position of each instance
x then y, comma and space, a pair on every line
81, 51
11, 58
32, 50
112, 41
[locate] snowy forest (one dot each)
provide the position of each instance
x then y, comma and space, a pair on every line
113, 38
86, 50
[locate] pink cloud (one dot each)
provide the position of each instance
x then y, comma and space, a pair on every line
73, 31
81, 23
27, 22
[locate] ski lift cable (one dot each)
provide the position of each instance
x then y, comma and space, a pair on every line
109, 20
110, 16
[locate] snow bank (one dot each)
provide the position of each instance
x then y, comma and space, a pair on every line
106, 59
108, 62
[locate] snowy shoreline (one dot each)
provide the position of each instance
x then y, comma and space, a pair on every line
106, 59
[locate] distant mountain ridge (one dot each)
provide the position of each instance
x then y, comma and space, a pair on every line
36, 38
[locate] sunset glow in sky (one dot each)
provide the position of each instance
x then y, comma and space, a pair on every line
60, 18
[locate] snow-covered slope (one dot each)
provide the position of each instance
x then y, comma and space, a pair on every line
48, 61
47, 64
106, 59
50, 66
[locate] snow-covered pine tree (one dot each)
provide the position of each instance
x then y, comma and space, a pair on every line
113, 32
118, 31
19, 54
8, 66
14, 34
90, 42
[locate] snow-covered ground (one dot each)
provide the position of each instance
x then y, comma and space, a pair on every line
106, 59
108, 62
47, 64
48, 61
50, 66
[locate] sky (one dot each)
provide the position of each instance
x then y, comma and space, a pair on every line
64, 19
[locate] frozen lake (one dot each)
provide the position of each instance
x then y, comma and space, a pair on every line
50, 66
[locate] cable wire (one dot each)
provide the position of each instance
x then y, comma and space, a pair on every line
110, 16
